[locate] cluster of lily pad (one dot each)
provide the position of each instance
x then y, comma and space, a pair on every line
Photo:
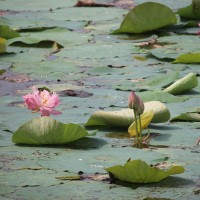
45, 130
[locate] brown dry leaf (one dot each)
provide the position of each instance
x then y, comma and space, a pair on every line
31, 168
162, 165
18, 78
96, 177
137, 80
86, 177
6, 12
147, 43
125, 4
3, 12
69, 178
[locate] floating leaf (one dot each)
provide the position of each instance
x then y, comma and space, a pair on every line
7, 32
25, 41
160, 81
145, 120
138, 171
188, 58
125, 117
193, 116
161, 112
184, 84
51, 35
192, 11
164, 53
162, 96
196, 8
2, 45
174, 46
70, 178
138, 20
45, 130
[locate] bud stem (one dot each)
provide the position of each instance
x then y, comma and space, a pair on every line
140, 128
136, 124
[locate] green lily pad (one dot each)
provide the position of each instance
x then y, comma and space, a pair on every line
174, 46
138, 20
45, 130
192, 11
193, 116
2, 45
7, 32
34, 42
158, 82
162, 96
138, 171
188, 58
184, 84
125, 117
50, 35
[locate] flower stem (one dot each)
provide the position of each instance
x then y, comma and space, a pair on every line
136, 124
140, 128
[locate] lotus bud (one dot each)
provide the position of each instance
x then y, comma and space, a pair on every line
140, 108
133, 102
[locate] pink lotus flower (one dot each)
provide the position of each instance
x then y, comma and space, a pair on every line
42, 101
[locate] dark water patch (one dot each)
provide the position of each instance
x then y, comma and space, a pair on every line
75, 93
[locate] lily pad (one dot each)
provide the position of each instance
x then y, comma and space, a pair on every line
138, 171
2, 45
161, 81
192, 11
45, 130
184, 84
188, 58
138, 20
125, 117
32, 42
57, 35
163, 96
173, 46
193, 116
145, 120
7, 32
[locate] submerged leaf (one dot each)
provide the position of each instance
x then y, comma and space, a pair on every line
186, 83
125, 117
188, 58
145, 120
138, 171
138, 20
45, 130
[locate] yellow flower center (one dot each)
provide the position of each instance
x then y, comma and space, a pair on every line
44, 99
